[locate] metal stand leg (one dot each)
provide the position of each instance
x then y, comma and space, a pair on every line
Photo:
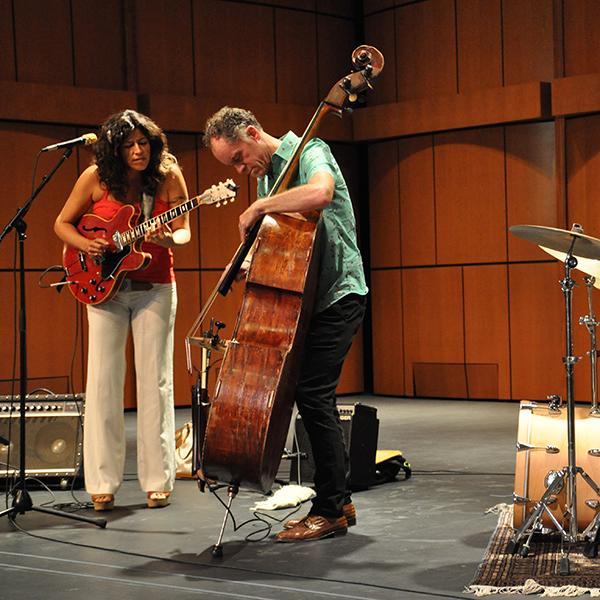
590, 322
217, 550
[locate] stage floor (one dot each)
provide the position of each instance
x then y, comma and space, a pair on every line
416, 538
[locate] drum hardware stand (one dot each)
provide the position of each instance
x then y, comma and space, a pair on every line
556, 480
590, 322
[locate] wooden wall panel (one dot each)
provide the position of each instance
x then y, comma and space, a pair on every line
417, 201
581, 37
164, 46
426, 49
432, 319
19, 143
7, 56
241, 70
583, 173
530, 189
44, 53
296, 57
370, 6
384, 205
479, 44
337, 7
469, 191
335, 42
528, 27
387, 322
219, 235
184, 148
537, 322
380, 31
486, 327
103, 35
298, 4
51, 339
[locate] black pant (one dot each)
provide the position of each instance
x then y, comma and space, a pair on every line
328, 341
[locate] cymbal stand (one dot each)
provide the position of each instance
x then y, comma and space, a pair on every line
556, 480
590, 322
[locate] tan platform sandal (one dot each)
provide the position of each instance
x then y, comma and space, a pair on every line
103, 501
158, 499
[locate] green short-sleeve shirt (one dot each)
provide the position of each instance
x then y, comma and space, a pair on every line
341, 269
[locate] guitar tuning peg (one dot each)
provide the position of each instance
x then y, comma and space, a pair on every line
218, 204
224, 202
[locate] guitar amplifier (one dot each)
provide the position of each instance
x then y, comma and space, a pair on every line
53, 436
361, 430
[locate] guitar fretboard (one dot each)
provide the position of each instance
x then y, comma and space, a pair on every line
138, 232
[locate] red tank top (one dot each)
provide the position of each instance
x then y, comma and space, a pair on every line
160, 269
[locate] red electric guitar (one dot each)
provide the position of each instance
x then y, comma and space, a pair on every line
95, 280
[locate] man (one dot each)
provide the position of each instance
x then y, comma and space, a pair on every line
237, 139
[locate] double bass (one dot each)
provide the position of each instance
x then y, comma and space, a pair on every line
243, 438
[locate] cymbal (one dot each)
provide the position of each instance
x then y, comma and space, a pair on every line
559, 239
585, 265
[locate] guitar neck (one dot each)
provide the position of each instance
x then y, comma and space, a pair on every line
138, 232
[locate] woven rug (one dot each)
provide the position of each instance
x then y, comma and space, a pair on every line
503, 573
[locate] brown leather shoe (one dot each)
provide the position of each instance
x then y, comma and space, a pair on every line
349, 513
314, 527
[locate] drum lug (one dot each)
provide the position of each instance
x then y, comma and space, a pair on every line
519, 499
594, 452
593, 504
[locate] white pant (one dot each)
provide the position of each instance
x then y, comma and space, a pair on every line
151, 315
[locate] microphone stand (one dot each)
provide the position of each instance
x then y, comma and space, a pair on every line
22, 501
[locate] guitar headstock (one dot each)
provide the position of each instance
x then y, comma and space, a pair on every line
220, 193
367, 62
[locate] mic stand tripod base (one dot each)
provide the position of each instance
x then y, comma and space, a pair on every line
22, 503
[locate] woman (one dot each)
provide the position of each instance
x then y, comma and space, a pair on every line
132, 162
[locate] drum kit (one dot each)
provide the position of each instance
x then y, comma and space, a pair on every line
551, 460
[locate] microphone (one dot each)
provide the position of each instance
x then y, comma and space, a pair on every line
85, 139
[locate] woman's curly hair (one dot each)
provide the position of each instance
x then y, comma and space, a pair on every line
112, 169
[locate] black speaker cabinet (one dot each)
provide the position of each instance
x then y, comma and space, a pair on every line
361, 429
53, 436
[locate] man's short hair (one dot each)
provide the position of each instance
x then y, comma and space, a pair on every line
228, 123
